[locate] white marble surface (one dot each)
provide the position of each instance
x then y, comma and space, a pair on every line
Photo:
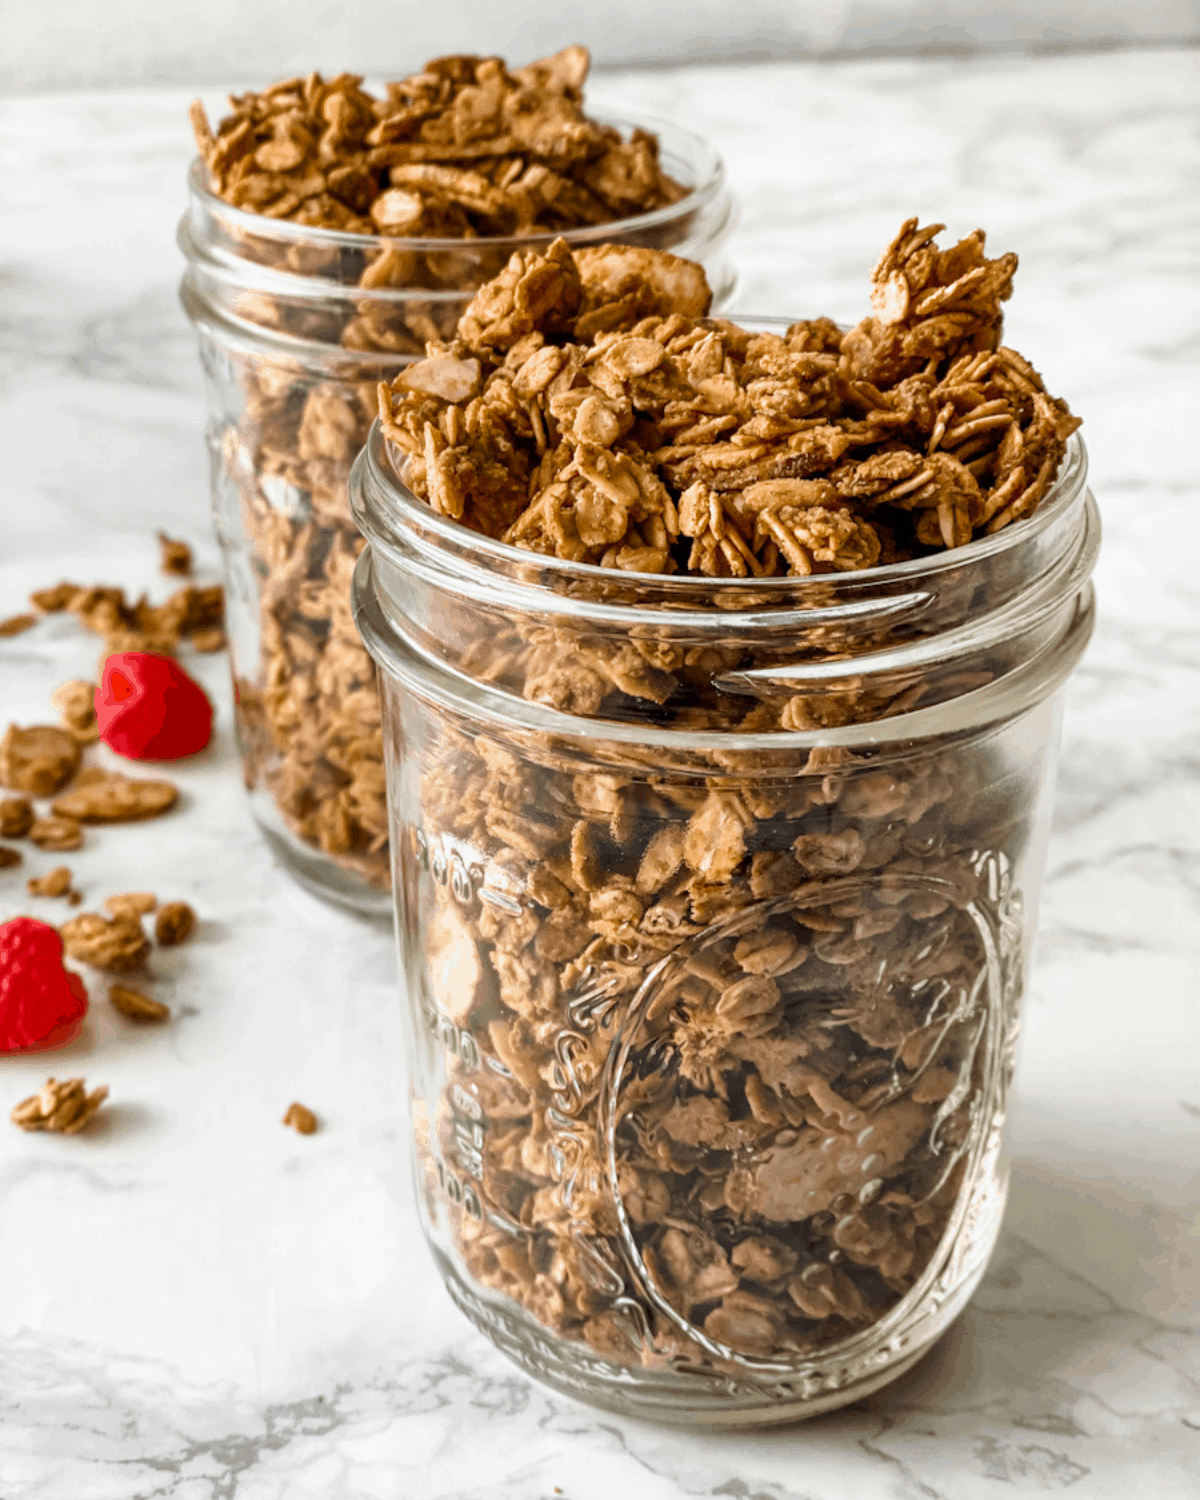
198, 1304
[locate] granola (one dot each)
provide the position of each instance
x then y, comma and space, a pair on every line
301, 1119
38, 760
57, 835
55, 883
64, 1107
115, 943
9, 857
175, 923
598, 415
466, 149
174, 556
136, 1006
100, 796
17, 625
16, 817
718, 1049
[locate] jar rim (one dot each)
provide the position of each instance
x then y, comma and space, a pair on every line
710, 173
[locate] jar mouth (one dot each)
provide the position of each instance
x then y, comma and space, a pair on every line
685, 156
389, 514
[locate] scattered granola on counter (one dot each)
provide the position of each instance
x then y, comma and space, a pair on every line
114, 943
16, 817
9, 857
130, 904
300, 1119
100, 796
39, 760
55, 883
175, 923
63, 1107
17, 624
175, 556
135, 1005
57, 835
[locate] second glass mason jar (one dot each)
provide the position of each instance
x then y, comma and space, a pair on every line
297, 326
714, 904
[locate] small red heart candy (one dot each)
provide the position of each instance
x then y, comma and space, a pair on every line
42, 1004
148, 708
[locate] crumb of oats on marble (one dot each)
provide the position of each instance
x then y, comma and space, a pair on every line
174, 556
100, 796
16, 817
175, 922
136, 1005
16, 625
39, 760
208, 641
56, 835
55, 883
114, 943
76, 703
9, 857
64, 1107
130, 903
300, 1119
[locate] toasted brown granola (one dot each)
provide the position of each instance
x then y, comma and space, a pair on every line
712, 1021
175, 923
9, 857
76, 702
463, 148
300, 1119
175, 556
115, 943
63, 1107
16, 817
58, 835
100, 796
16, 625
38, 760
136, 1006
625, 428
466, 149
194, 609
130, 904
54, 883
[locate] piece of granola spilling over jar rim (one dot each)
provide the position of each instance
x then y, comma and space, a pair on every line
331, 233
721, 672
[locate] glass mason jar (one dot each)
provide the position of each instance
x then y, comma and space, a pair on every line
714, 904
297, 326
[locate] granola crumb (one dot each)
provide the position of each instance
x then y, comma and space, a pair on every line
17, 624
56, 882
16, 817
9, 856
301, 1119
137, 1006
39, 760
130, 904
65, 1107
176, 556
112, 797
54, 600
114, 943
56, 835
176, 921
208, 641
76, 703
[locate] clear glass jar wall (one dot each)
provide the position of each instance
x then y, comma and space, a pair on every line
714, 905
297, 326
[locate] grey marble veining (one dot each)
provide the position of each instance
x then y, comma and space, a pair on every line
200, 1305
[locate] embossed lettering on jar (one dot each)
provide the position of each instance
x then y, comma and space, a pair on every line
712, 1030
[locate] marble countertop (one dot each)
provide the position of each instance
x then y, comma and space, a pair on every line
198, 1304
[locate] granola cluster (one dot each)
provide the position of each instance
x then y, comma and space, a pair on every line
723, 1029
589, 409
462, 151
